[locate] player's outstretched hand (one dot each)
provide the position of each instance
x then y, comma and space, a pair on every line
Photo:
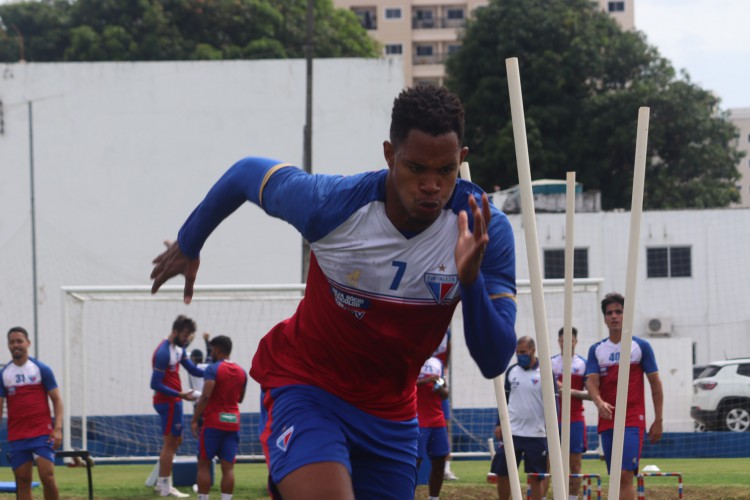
171, 263
471, 245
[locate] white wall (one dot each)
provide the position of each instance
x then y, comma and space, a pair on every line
124, 151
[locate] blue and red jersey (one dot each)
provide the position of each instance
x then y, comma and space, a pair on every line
223, 409
604, 360
377, 302
429, 402
26, 389
577, 383
165, 379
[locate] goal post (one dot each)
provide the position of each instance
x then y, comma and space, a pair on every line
109, 336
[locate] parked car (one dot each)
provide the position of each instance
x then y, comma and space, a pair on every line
721, 396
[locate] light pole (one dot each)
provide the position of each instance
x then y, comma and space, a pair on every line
307, 148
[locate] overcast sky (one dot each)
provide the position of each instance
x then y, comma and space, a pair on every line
708, 38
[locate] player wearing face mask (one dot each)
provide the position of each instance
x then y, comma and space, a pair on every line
523, 390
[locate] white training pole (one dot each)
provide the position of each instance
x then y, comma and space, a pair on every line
623, 377
559, 482
502, 406
567, 354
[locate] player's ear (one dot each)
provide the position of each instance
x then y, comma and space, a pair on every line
389, 153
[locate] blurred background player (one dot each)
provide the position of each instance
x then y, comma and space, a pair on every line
443, 353
168, 396
27, 383
523, 389
602, 369
577, 395
433, 433
196, 356
392, 252
219, 410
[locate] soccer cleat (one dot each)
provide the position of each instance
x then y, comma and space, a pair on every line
174, 492
492, 478
449, 476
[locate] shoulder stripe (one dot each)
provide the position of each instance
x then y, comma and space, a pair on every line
503, 296
268, 175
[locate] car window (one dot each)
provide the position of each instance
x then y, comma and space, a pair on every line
710, 371
744, 369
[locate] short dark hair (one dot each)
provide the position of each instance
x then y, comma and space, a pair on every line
18, 329
182, 324
612, 298
562, 330
223, 343
427, 108
196, 354
528, 341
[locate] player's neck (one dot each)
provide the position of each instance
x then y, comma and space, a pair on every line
615, 336
21, 361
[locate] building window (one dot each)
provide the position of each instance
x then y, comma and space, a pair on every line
455, 14
367, 18
424, 50
393, 49
423, 19
393, 13
668, 262
616, 6
453, 48
554, 263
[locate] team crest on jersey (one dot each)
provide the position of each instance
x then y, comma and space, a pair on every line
32, 378
442, 287
283, 442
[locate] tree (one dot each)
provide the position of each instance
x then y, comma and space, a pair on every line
154, 30
583, 81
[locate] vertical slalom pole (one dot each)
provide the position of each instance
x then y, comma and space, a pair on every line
626, 341
502, 406
567, 354
559, 481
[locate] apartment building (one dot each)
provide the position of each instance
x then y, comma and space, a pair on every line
425, 32
741, 119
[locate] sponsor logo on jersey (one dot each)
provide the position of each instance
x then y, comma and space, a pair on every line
283, 442
442, 287
228, 417
11, 391
350, 302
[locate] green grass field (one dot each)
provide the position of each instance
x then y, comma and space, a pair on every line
703, 479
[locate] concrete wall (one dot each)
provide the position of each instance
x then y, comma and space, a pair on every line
123, 152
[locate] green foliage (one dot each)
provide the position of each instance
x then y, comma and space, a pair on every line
583, 81
154, 30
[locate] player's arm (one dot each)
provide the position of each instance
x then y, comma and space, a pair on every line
190, 367
57, 408
583, 395
208, 389
157, 384
648, 363
242, 392
487, 292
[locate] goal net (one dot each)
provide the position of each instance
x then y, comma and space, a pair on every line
111, 334
474, 408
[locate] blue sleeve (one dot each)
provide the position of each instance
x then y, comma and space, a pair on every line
648, 359
190, 367
489, 328
282, 191
157, 384
210, 371
592, 364
48, 378
3, 390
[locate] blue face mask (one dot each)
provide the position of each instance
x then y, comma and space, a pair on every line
524, 360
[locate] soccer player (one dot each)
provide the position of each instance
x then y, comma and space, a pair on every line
602, 368
27, 383
577, 395
523, 390
223, 391
168, 396
433, 433
443, 353
393, 252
